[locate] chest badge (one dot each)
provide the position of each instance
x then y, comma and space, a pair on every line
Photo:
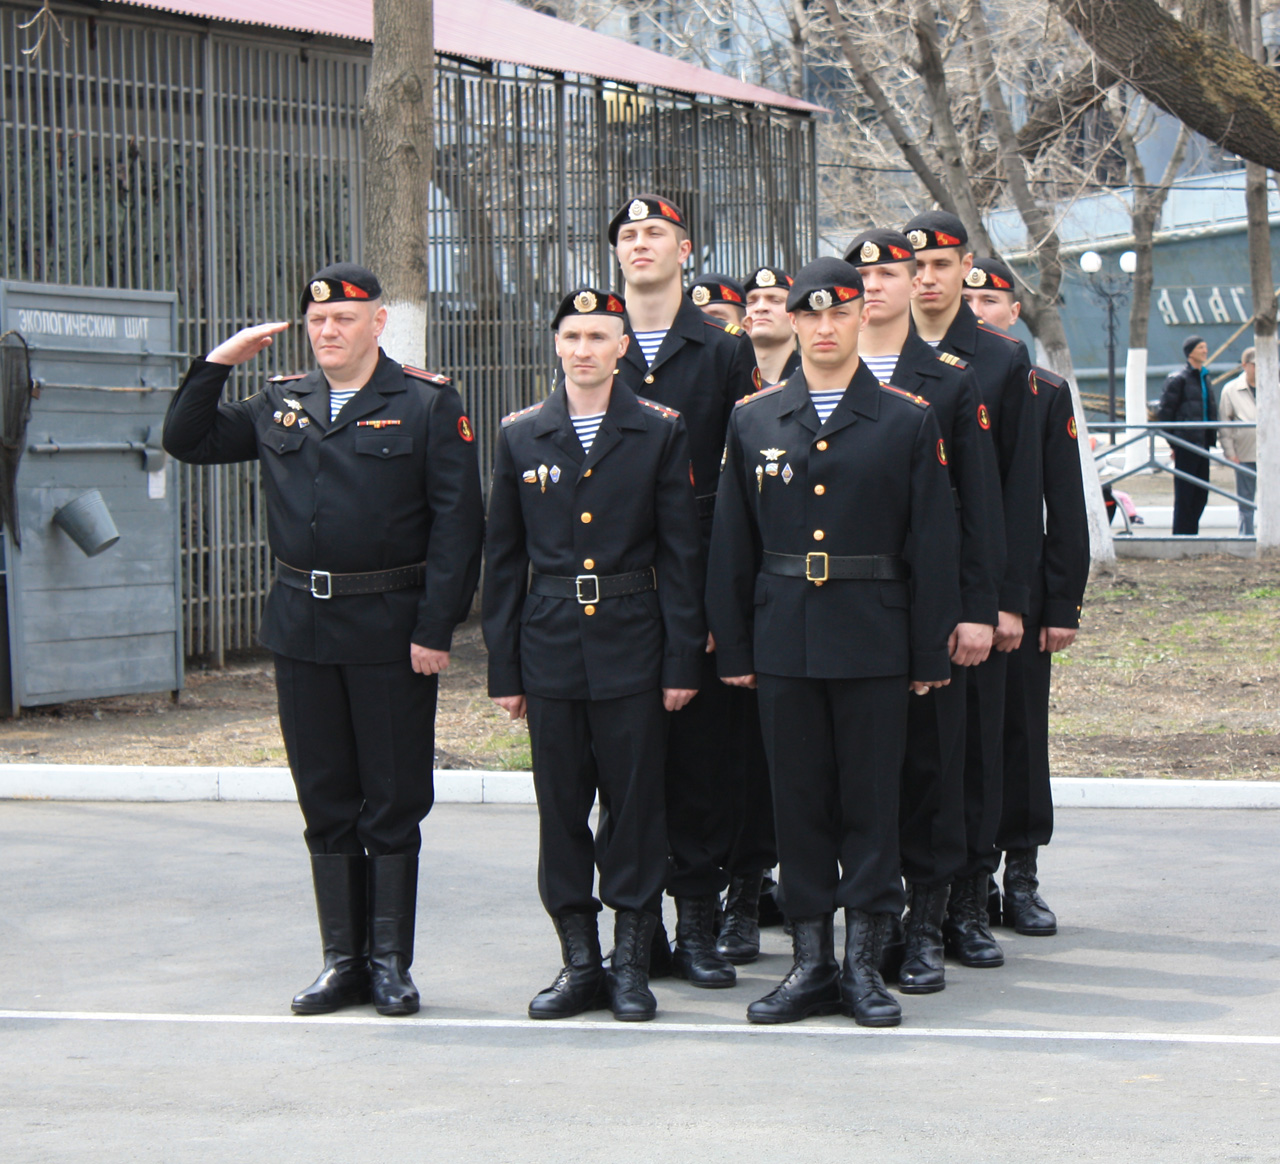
787, 474
294, 404
290, 418
530, 476
303, 422
771, 468
543, 473
773, 454
759, 478
555, 474
376, 423
277, 415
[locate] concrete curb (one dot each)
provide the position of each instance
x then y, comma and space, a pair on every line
173, 783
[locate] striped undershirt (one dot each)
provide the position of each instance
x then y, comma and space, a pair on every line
586, 427
825, 403
650, 342
338, 399
882, 366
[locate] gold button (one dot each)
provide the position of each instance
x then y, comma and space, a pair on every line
586, 519
818, 535
649, 378
819, 489
588, 473
588, 610
821, 446
589, 564
819, 583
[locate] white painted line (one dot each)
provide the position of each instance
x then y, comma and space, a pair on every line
789, 1030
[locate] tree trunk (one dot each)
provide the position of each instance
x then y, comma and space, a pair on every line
398, 143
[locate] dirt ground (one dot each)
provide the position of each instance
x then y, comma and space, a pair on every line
1176, 673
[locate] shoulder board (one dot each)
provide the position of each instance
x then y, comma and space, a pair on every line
429, 377
1045, 376
770, 391
662, 409
506, 420
285, 379
1004, 335
734, 329
954, 361
919, 401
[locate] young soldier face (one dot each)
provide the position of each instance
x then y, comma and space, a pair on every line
651, 252
940, 276
767, 322
994, 307
589, 348
888, 291
344, 334
829, 338
724, 312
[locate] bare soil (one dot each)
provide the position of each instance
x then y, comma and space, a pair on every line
1176, 673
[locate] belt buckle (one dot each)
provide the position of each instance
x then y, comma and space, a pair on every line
594, 579
317, 575
808, 566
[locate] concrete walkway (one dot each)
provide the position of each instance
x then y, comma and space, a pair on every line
150, 950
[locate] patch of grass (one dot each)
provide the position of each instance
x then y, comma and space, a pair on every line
1264, 592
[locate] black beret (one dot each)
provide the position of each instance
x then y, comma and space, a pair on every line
644, 206
935, 228
340, 281
990, 273
1189, 344
717, 289
589, 301
824, 283
876, 248
764, 278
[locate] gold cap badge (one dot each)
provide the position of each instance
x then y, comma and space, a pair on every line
320, 291
637, 210
584, 301
766, 278
977, 277
870, 253
918, 239
701, 295
820, 300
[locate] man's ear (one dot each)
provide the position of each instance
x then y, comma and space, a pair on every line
686, 249
966, 263
1017, 311
379, 320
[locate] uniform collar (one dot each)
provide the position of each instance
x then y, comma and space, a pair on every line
962, 335
861, 398
689, 326
553, 419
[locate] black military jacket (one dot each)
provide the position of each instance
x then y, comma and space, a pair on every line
975, 476
1181, 399
626, 505
872, 480
700, 370
1002, 370
348, 497
1058, 586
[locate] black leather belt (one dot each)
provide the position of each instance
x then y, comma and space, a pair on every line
706, 505
588, 588
323, 584
819, 567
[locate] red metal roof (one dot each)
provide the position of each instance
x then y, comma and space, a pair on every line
493, 30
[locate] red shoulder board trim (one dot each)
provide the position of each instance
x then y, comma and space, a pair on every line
1004, 335
422, 374
285, 379
522, 412
778, 387
669, 413
906, 395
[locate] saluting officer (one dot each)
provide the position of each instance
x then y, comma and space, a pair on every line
720, 296
375, 519
1057, 591
932, 811
592, 489
681, 357
769, 326
1002, 369
832, 586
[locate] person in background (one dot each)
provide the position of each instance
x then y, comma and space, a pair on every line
769, 326
720, 297
1187, 396
1240, 445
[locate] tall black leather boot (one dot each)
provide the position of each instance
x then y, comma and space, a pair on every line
344, 932
966, 932
627, 980
695, 957
739, 939
393, 900
923, 970
1024, 908
863, 994
580, 984
812, 985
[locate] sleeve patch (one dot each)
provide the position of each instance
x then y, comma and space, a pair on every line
1071, 427
942, 452
984, 417
464, 429
1031, 379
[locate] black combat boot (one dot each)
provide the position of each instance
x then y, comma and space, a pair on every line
739, 939
922, 970
580, 984
393, 899
966, 932
863, 994
344, 931
695, 957
1024, 908
812, 985
627, 979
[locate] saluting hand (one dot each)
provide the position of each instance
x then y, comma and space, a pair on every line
245, 344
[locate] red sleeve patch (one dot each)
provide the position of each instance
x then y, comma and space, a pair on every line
1031, 379
984, 417
1071, 427
942, 451
464, 429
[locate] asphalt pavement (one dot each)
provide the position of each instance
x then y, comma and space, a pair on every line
148, 953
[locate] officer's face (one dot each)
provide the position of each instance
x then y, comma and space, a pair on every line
888, 291
994, 307
767, 320
589, 348
829, 338
344, 334
940, 278
724, 312
651, 252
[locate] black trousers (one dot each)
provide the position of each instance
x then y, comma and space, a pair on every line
361, 744
615, 747
983, 763
932, 817
1189, 498
1026, 814
751, 845
835, 749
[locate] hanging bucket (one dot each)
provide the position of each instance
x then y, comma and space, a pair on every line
87, 522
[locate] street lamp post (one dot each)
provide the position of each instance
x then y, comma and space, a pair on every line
1110, 289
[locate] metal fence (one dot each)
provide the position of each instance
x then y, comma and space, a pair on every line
148, 152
